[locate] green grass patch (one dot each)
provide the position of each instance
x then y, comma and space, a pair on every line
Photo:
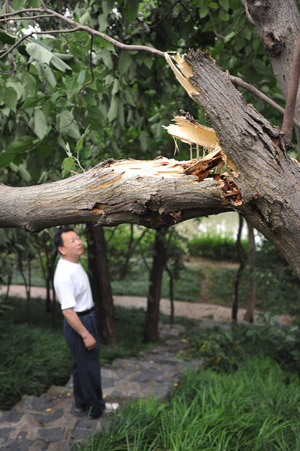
252, 409
187, 288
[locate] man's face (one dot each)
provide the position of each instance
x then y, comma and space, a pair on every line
72, 246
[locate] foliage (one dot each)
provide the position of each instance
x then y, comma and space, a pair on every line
186, 288
215, 247
56, 87
33, 358
255, 408
226, 350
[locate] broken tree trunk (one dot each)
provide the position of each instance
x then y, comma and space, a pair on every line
268, 179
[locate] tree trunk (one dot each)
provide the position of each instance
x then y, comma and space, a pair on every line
171, 294
100, 283
235, 289
156, 276
249, 315
278, 24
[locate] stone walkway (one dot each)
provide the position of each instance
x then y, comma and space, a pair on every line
49, 423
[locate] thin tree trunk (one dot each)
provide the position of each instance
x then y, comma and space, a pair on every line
171, 294
249, 315
156, 276
241, 255
100, 282
8, 287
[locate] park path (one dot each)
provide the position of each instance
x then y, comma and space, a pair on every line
193, 310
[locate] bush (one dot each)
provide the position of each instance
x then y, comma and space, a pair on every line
226, 350
215, 248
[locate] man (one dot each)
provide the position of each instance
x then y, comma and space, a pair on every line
73, 290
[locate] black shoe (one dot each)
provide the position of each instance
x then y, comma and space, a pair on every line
94, 416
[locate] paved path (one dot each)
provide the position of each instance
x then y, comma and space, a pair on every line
191, 310
49, 423
187, 309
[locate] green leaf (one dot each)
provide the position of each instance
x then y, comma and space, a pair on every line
49, 75
213, 5
30, 83
16, 86
68, 163
40, 123
103, 44
10, 98
60, 64
39, 53
131, 9
30, 102
17, 146
116, 87
7, 38
81, 77
224, 15
67, 166
24, 173
124, 62
85, 18
80, 141
67, 126
102, 22
229, 36
224, 4
113, 109
107, 59
203, 12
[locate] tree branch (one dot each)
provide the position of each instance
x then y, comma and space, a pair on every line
240, 82
86, 28
151, 193
288, 119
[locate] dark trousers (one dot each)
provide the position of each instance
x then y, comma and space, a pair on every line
86, 367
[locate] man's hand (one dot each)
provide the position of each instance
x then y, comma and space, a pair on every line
89, 342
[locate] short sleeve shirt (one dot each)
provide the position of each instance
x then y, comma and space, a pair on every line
72, 286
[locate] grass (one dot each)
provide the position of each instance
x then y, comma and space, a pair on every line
252, 409
187, 288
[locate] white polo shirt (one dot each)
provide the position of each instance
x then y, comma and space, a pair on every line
72, 286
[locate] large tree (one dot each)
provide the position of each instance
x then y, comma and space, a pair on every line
260, 181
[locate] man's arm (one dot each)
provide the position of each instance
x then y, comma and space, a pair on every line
74, 321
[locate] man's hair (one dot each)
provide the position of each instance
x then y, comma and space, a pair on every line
57, 240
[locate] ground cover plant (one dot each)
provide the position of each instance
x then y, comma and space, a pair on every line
255, 408
34, 357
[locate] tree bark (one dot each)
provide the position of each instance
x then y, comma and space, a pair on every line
278, 24
256, 158
100, 283
151, 193
156, 276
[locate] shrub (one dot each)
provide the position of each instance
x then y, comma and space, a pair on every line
215, 248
